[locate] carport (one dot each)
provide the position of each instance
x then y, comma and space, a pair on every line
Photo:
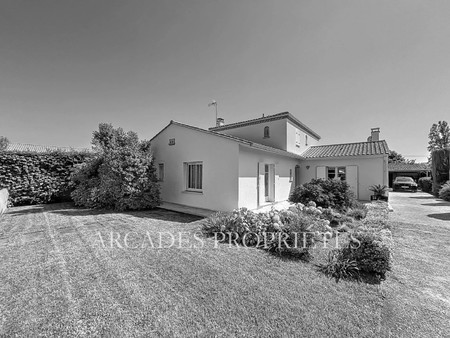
414, 170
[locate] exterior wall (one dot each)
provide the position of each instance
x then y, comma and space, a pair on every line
220, 168
291, 146
371, 170
255, 133
249, 160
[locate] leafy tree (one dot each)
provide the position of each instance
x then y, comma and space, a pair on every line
3, 143
439, 136
395, 157
121, 177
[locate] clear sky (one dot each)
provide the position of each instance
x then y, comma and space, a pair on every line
341, 67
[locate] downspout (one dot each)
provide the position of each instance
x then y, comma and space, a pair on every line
257, 185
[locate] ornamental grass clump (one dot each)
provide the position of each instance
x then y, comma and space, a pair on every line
339, 267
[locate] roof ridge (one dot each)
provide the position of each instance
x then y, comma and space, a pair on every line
343, 144
233, 138
269, 118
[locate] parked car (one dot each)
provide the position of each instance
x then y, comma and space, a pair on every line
404, 183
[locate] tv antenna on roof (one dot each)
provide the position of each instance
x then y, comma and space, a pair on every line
214, 103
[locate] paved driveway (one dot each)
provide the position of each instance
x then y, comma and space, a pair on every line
417, 290
419, 208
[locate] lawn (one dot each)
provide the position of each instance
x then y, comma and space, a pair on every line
61, 276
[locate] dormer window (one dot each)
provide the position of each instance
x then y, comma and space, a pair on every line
266, 132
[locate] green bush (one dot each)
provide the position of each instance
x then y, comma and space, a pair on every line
339, 267
444, 193
371, 250
440, 166
357, 211
288, 232
121, 177
377, 217
36, 178
425, 184
325, 193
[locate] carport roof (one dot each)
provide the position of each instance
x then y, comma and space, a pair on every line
348, 149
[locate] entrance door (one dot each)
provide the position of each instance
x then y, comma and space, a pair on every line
297, 175
269, 182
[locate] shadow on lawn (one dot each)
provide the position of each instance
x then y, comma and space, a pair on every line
438, 204
69, 209
158, 214
424, 197
442, 217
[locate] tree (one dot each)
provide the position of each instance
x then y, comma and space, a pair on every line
395, 157
122, 175
3, 143
439, 136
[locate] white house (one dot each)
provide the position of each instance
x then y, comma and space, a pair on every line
257, 162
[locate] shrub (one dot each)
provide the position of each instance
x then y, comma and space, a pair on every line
379, 191
371, 250
426, 184
377, 216
357, 211
444, 193
36, 178
3, 143
284, 232
440, 166
325, 193
339, 267
121, 177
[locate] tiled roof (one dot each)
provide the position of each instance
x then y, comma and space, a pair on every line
268, 118
33, 148
408, 167
347, 149
242, 141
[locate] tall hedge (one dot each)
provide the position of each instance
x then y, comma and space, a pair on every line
440, 166
35, 178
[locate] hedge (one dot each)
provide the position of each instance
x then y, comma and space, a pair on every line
35, 178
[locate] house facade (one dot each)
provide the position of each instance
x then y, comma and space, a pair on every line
257, 162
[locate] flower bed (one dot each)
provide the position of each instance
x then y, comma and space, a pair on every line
364, 245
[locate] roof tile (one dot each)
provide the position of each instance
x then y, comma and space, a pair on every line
348, 149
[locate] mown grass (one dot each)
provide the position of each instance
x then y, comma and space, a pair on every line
58, 279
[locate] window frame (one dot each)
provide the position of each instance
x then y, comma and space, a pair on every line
337, 174
298, 137
266, 132
197, 178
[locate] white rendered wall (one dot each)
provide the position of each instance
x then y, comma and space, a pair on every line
220, 168
249, 159
371, 170
291, 139
255, 133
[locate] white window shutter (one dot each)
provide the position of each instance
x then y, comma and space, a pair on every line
352, 178
321, 172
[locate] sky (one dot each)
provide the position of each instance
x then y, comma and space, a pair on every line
341, 67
